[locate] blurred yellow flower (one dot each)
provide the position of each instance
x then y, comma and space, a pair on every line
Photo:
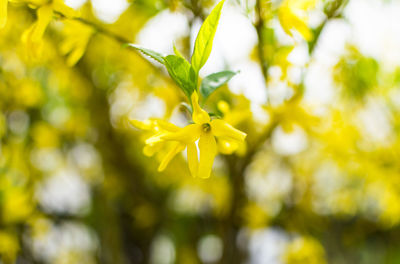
45, 136
254, 216
33, 36
76, 39
293, 113
3, 13
29, 94
204, 130
9, 246
159, 128
17, 205
233, 117
292, 16
305, 250
4, 4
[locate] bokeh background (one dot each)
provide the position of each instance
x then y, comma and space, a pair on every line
318, 180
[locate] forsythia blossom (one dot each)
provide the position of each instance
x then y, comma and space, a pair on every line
233, 117
33, 36
3, 13
76, 39
292, 15
204, 130
159, 128
56, 4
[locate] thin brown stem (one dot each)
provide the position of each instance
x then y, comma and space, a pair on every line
259, 25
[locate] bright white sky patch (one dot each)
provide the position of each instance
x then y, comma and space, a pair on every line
267, 246
109, 11
375, 122
75, 3
376, 28
210, 248
289, 143
62, 239
331, 46
162, 31
64, 192
234, 41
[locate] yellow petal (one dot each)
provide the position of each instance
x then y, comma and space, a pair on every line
156, 138
223, 106
227, 146
302, 28
67, 46
199, 116
186, 135
292, 19
285, 18
3, 13
26, 36
178, 147
150, 150
154, 124
75, 55
167, 126
193, 159
144, 125
208, 150
307, 4
45, 14
221, 128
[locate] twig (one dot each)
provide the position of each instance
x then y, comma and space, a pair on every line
335, 12
122, 40
259, 25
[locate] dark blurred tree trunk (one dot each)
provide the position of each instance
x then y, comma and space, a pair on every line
111, 216
231, 225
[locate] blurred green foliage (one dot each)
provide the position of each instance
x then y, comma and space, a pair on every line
356, 74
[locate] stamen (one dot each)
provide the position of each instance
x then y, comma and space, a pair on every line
206, 127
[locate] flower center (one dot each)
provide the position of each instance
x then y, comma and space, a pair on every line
206, 127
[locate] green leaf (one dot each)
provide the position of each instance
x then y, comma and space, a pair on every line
204, 40
181, 72
177, 52
152, 54
213, 81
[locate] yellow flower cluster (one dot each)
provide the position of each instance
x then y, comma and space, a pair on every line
210, 136
33, 36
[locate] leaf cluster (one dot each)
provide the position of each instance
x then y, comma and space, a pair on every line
185, 73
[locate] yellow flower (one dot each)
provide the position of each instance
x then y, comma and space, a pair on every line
292, 16
233, 117
3, 13
17, 205
9, 246
33, 36
207, 132
77, 36
304, 250
154, 144
4, 3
